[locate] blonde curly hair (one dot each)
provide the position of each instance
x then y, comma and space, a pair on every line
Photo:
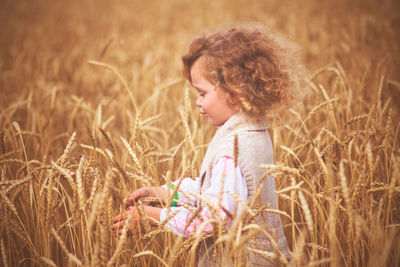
255, 65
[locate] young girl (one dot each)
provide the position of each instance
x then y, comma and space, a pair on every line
242, 76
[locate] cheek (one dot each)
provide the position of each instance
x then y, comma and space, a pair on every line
210, 103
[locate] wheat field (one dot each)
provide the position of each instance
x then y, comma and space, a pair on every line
93, 105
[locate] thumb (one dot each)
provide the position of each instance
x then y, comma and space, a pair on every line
134, 197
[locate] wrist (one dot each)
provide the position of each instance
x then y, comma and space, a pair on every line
162, 193
153, 212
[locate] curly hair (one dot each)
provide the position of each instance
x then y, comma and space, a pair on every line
254, 65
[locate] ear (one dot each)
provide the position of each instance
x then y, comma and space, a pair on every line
233, 100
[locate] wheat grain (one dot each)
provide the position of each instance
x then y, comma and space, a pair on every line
356, 119
48, 261
307, 212
96, 261
16, 183
95, 173
345, 188
79, 185
133, 155
67, 174
9, 204
67, 151
320, 106
95, 149
12, 160
104, 245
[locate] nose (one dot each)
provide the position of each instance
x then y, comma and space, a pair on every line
198, 103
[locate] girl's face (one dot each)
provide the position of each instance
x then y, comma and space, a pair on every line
212, 101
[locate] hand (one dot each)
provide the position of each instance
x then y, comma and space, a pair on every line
119, 221
159, 192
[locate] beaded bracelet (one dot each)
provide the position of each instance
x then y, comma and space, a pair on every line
175, 197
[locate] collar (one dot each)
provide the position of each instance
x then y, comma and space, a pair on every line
243, 121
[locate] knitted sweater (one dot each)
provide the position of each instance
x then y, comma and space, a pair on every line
255, 148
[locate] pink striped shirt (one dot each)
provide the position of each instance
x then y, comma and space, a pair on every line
234, 184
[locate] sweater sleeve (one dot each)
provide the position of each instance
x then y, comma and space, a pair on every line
187, 185
233, 181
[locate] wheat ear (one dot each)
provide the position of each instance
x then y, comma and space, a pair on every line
81, 195
48, 261
64, 248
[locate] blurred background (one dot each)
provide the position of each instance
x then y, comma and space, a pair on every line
85, 65
49, 42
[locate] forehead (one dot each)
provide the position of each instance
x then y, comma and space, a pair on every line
199, 76
199, 66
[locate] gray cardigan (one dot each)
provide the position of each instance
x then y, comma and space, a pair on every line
255, 148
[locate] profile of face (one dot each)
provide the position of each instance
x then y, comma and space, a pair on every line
213, 102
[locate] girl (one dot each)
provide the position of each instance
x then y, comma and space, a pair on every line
242, 76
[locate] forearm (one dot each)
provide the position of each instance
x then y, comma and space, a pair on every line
153, 213
160, 192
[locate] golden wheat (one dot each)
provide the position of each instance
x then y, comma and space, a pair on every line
94, 107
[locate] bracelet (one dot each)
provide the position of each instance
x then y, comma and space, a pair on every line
173, 204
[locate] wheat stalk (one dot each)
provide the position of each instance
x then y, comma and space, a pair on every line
151, 253
3, 253
113, 69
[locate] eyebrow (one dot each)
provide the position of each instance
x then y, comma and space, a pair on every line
198, 88
202, 89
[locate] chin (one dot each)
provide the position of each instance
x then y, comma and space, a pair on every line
214, 123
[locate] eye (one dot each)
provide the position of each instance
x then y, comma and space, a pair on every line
200, 93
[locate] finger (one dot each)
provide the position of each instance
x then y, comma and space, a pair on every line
137, 194
128, 233
118, 225
134, 196
131, 204
141, 193
117, 218
118, 232
120, 217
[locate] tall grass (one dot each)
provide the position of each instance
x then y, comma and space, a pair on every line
93, 106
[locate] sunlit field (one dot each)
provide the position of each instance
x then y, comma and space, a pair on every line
93, 105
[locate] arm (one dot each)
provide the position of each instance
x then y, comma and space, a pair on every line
155, 191
162, 192
187, 185
119, 221
234, 183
